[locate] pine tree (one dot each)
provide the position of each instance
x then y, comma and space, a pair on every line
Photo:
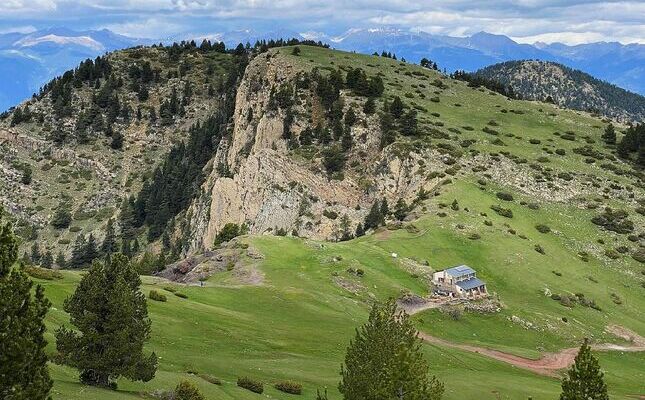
109, 246
117, 140
60, 260
370, 106
90, 251
385, 360
23, 362
78, 252
584, 380
396, 107
374, 217
62, 218
609, 136
35, 254
47, 260
111, 317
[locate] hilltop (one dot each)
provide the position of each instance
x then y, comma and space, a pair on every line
535, 198
566, 87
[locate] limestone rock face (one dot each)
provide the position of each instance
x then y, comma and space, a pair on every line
269, 188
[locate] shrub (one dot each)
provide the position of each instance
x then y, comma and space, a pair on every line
169, 289
613, 254
250, 384
615, 221
330, 214
211, 379
639, 255
182, 295
474, 236
455, 314
228, 232
186, 390
504, 196
504, 212
542, 228
42, 273
539, 249
289, 387
156, 296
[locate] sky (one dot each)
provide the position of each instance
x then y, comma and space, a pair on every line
526, 21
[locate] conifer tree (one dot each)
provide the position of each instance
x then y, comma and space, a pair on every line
110, 315
60, 260
385, 361
584, 380
23, 362
370, 106
609, 136
374, 217
396, 107
90, 252
78, 252
47, 260
109, 246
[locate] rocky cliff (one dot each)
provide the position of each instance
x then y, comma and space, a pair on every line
270, 187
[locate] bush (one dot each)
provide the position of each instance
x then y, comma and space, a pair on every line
639, 255
169, 289
228, 232
613, 254
42, 273
474, 236
187, 391
250, 384
504, 196
542, 228
156, 296
289, 387
539, 249
211, 379
504, 212
179, 294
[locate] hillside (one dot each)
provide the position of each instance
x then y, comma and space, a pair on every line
566, 87
526, 193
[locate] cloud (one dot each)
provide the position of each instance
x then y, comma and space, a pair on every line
570, 21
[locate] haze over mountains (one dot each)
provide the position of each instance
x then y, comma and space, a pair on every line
29, 60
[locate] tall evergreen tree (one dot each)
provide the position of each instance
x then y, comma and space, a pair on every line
47, 259
23, 362
60, 260
109, 245
609, 136
385, 361
584, 380
110, 314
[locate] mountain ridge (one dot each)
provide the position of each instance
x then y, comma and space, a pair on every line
614, 62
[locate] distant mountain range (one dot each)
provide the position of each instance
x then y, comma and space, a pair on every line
29, 60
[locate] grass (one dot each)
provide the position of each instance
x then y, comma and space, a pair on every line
297, 324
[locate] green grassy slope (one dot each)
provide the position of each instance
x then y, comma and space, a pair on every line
297, 324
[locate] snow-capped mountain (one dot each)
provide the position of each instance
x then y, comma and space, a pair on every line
27, 61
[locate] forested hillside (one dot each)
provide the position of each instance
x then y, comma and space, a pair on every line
566, 87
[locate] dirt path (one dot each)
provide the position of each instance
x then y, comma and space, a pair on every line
549, 364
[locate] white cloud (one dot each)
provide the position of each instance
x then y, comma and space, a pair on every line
571, 21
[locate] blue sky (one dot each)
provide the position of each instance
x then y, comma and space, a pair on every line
568, 21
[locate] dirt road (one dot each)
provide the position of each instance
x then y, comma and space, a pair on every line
550, 363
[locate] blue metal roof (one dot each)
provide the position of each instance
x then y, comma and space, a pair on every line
470, 284
460, 271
